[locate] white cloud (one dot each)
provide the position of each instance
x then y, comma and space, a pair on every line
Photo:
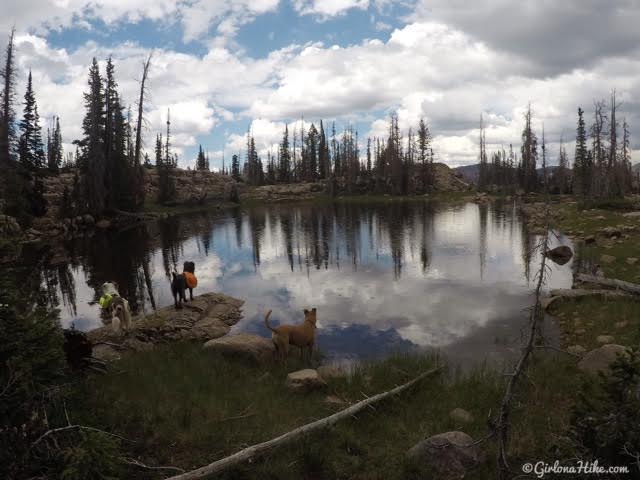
328, 8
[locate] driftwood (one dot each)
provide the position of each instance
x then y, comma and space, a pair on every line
609, 282
255, 450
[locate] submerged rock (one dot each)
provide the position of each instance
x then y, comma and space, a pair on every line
560, 255
447, 453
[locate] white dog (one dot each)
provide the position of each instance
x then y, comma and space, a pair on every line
120, 312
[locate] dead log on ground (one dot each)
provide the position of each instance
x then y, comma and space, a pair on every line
629, 287
255, 450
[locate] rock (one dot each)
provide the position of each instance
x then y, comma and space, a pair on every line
88, 219
333, 401
610, 232
631, 261
605, 339
103, 224
590, 239
621, 324
560, 255
576, 349
580, 331
209, 328
598, 360
446, 454
305, 380
607, 258
461, 415
631, 215
328, 372
245, 346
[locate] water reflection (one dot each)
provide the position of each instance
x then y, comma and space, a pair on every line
384, 277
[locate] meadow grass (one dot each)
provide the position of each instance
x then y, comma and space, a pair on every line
186, 406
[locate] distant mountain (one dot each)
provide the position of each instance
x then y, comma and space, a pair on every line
470, 173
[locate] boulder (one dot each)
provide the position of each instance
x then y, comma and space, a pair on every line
246, 346
560, 255
305, 380
621, 324
631, 215
447, 454
209, 328
598, 360
631, 261
610, 232
590, 239
460, 415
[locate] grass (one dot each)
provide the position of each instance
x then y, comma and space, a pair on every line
186, 406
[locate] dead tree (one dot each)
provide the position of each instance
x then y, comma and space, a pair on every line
145, 73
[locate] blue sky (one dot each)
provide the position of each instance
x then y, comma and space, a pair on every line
223, 67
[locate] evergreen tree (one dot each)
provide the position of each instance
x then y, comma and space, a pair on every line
425, 156
92, 161
54, 148
324, 162
7, 96
284, 170
581, 164
310, 154
31, 149
201, 161
235, 168
529, 150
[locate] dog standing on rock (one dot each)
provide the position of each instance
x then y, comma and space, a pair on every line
302, 335
180, 282
116, 307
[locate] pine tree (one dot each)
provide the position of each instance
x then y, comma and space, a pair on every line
92, 161
31, 149
529, 150
235, 168
54, 147
201, 161
7, 96
581, 165
483, 171
324, 165
284, 170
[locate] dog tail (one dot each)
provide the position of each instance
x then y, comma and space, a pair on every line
266, 322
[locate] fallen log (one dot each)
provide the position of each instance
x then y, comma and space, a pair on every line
609, 282
255, 450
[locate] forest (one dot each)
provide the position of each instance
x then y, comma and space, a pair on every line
109, 159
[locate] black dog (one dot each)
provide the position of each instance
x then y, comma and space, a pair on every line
179, 284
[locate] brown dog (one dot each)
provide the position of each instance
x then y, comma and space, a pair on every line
302, 335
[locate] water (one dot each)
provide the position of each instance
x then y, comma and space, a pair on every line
385, 277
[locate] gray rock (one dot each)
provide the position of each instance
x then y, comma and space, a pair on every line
447, 454
590, 239
245, 346
598, 360
631, 261
333, 401
305, 380
103, 224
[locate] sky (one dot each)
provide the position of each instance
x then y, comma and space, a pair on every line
225, 67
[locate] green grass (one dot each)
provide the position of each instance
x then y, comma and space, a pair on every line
582, 321
186, 406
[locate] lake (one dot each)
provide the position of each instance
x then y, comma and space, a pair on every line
384, 276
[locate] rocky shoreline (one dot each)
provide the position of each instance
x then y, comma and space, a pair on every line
207, 317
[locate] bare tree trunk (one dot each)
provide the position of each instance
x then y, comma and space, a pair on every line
145, 72
255, 450
610, 282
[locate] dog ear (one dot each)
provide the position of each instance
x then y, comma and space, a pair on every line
313, 309
306, 311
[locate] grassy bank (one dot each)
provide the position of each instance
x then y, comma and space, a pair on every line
186, 406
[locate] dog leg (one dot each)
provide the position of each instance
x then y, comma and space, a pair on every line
191, 293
